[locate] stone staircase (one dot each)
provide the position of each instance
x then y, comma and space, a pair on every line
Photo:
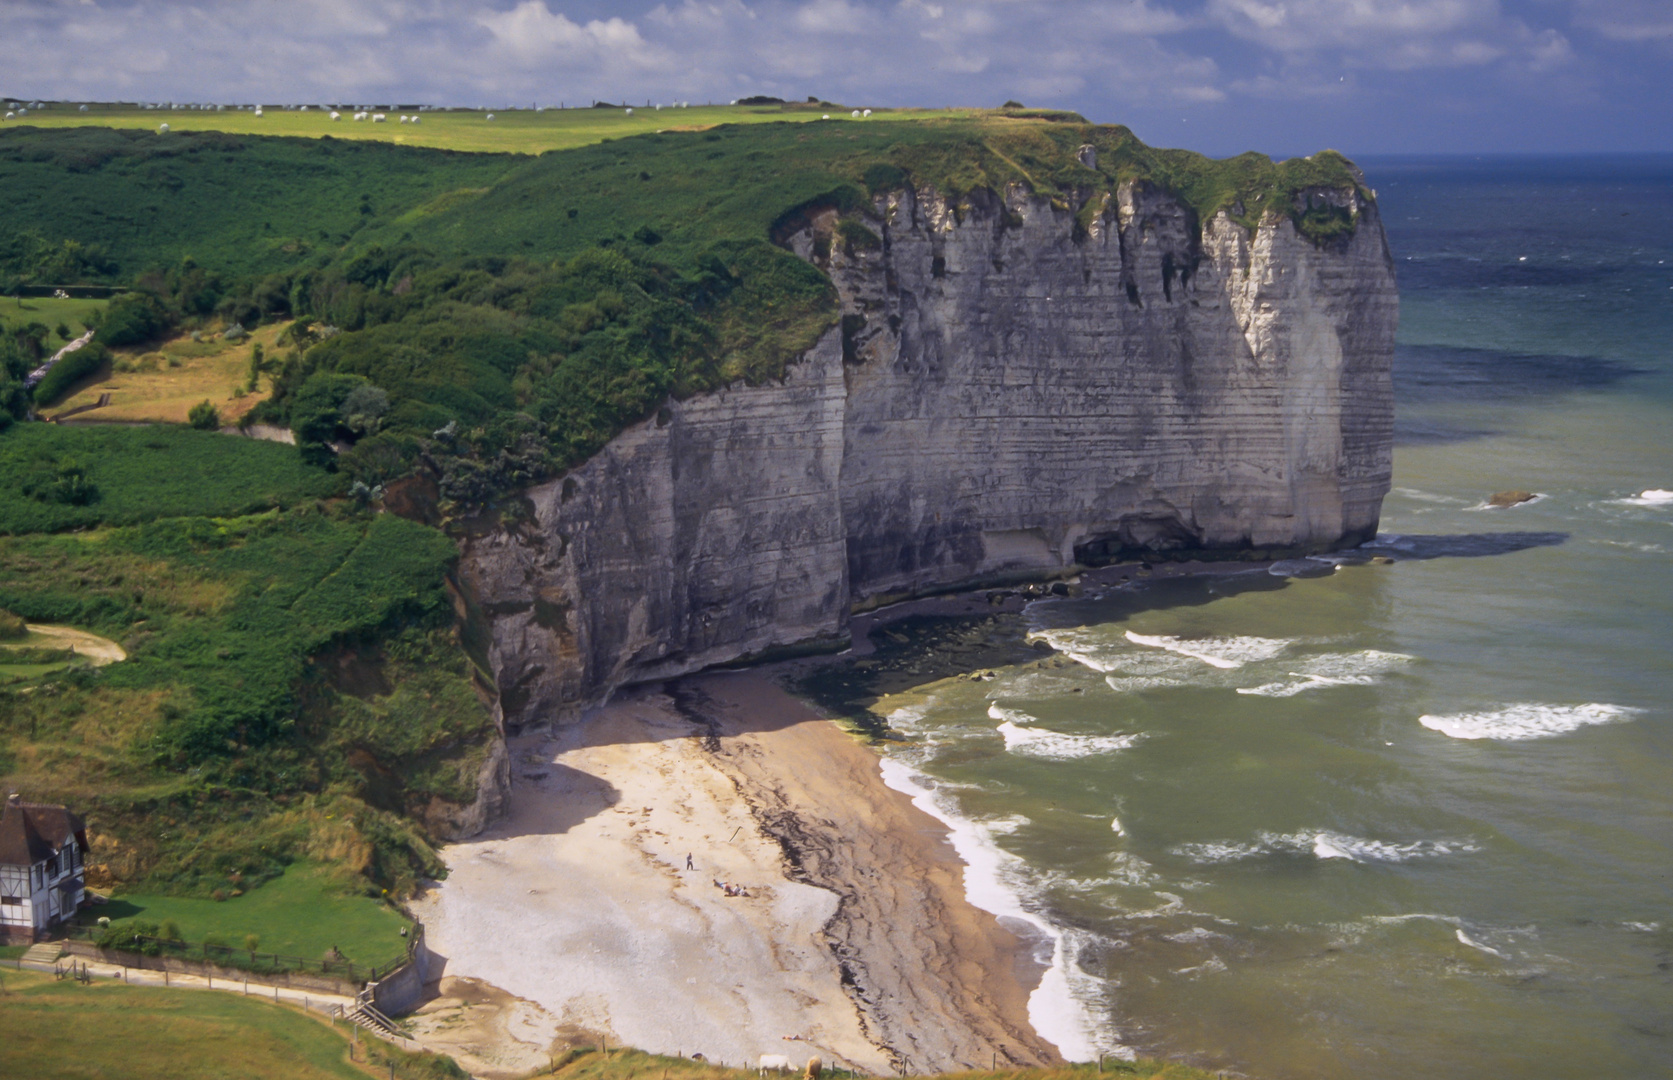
47, 953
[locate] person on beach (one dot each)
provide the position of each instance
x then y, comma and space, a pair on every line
688, 865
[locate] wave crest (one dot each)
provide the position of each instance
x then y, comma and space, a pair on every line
1513, 723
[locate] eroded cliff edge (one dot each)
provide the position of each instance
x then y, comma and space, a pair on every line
1015, 387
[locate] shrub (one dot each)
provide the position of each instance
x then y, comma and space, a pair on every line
132, 320
67, 372
11, 626
204, 416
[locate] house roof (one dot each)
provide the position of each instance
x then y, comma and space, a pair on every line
30, 832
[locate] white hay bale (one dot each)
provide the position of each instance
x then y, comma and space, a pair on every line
490, 116
378, 118
161, 128
335, 115
855, 114
865, 112
630, 110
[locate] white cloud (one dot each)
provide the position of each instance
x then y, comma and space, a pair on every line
1626, 20
1114, 58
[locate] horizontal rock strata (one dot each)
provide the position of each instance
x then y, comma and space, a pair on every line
1011, 392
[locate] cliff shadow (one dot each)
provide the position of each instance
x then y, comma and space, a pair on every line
548, 798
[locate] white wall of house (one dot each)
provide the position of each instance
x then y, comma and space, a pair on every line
37, 896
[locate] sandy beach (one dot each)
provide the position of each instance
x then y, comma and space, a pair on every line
575, 918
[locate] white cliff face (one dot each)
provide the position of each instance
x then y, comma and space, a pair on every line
1008, 394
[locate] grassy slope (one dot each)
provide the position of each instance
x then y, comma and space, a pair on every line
145, 473
61, 1030
302, 913
161, 382
237, 205
293, 682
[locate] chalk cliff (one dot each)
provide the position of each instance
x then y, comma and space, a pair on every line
1015, 388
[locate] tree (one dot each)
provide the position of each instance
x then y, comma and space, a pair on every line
204, 416
252, 942
257, 366
132, 320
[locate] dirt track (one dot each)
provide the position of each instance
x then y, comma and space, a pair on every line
100, 651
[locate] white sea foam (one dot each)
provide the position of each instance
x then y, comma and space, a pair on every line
1336, 669
1056, 746
1525, 721
1226, 653
1429, 496
994, 880
1212, 966
1474, 944
908, 717
1321, 845
1651, 497
997, 711
1194, 935
1130, 684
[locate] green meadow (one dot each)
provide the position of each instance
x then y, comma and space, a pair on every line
304, 912
76, 315
151, 1033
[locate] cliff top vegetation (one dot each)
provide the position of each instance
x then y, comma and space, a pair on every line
495, 318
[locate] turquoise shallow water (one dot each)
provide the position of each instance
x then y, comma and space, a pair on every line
1406, 819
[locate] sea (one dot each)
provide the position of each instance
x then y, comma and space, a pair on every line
1379, 820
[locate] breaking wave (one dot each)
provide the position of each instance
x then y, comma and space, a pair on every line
997, 882
1526, 721
1322, 845
1651, 497
1335, 669
1053, 745
1226, 653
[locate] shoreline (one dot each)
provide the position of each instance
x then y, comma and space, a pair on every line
877, 929
574, 918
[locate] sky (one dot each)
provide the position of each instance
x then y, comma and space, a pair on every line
1219, 76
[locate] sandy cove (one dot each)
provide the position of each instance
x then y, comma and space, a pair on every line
574, 919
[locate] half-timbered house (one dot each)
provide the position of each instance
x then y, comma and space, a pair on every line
42, 853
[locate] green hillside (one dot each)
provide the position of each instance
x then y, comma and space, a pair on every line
293, 686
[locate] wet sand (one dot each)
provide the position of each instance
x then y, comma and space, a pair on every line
854, 938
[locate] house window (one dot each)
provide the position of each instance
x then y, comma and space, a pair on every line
11, 901
52, 867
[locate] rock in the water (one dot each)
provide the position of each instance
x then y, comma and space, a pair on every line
1510, 498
